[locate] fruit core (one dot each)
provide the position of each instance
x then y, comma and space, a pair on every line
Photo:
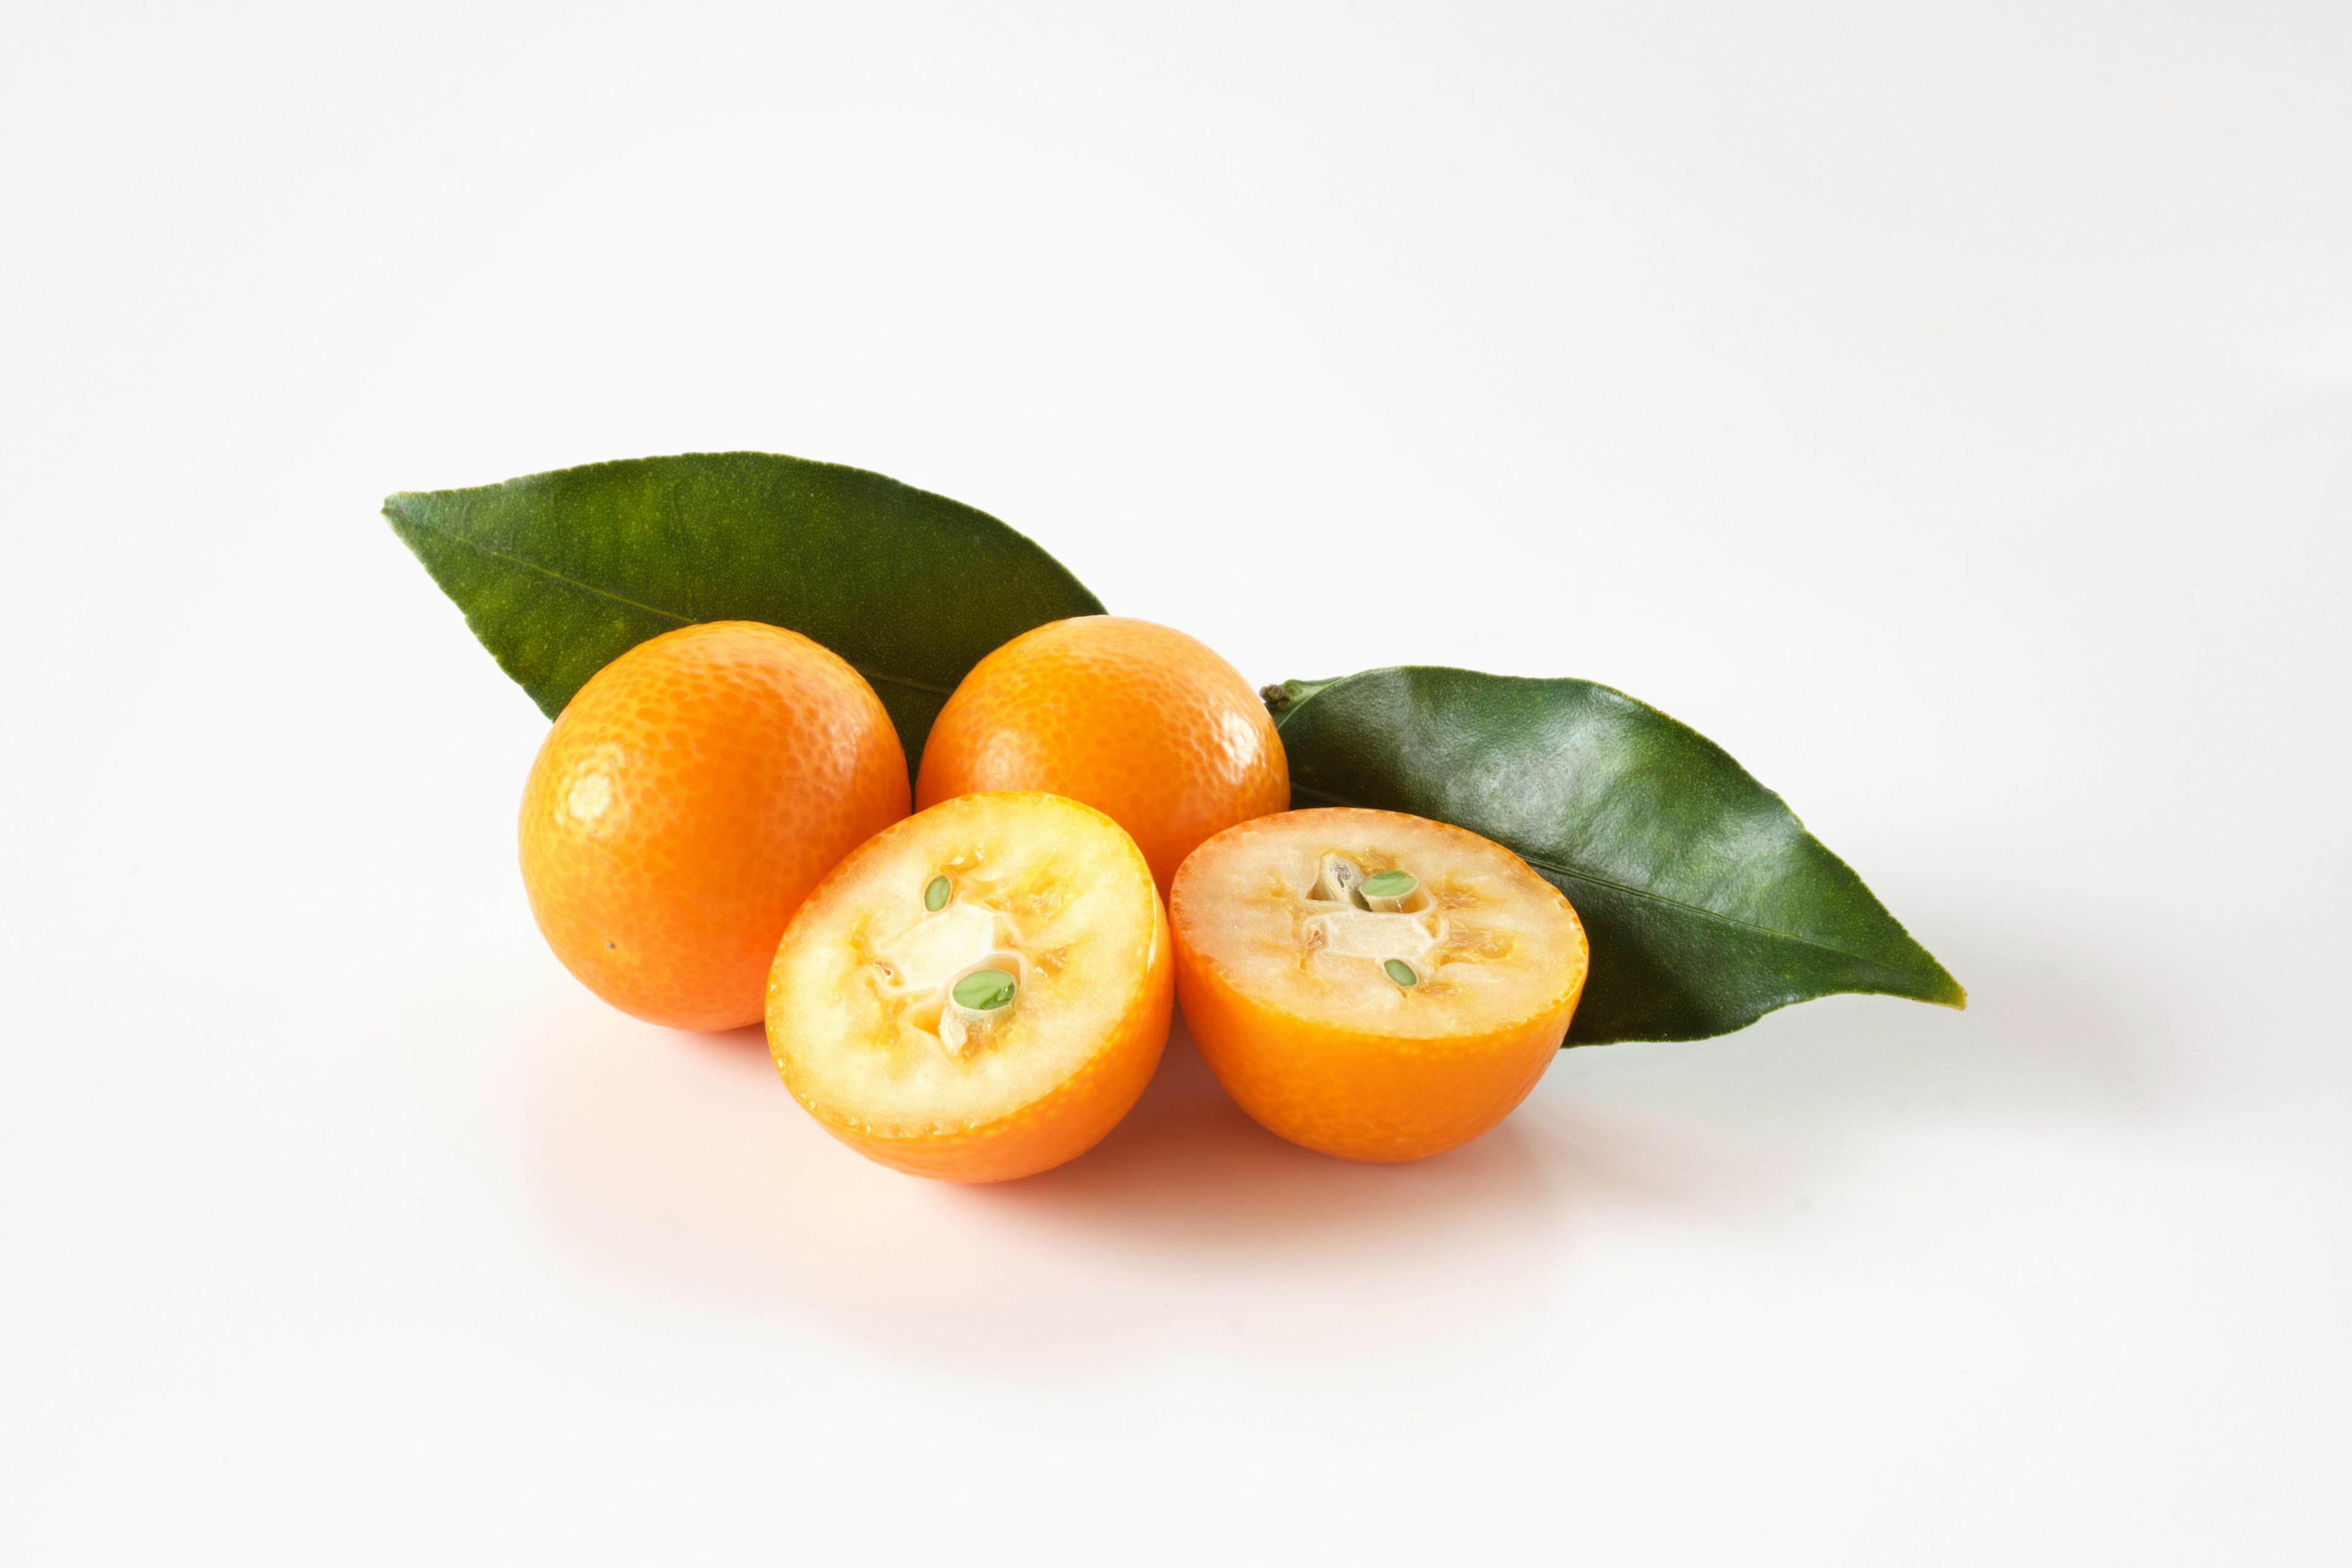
1387, 919
956, 972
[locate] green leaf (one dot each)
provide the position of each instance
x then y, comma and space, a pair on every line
1706, 902
561, 573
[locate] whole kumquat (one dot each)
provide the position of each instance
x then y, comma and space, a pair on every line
1136, 720
687, 800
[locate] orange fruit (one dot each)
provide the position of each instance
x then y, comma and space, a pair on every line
1374, 984
980, 992
1134, 718
687, 800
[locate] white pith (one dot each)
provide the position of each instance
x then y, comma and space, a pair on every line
941, 948
919, 971
1356, 934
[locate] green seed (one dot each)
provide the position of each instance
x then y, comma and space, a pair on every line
935, 896
984, 990
1401, 972
1389, 885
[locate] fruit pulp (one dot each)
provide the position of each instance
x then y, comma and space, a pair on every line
990, 1028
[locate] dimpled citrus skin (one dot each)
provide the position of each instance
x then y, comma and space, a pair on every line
1137, 721
1392, 1089
687, 800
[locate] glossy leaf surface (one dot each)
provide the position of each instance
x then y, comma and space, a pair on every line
1706, 902
561, 572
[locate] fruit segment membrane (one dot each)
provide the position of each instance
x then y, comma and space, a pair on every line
894, 1019
1278, 907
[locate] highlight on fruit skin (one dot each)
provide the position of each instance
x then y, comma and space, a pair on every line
988, 1029
1371, 985
1136, 720
687, 799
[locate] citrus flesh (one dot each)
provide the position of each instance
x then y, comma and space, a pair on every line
990, 1028
684, 801
1134, 718
1373, 984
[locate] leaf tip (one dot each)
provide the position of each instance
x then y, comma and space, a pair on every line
1942, 990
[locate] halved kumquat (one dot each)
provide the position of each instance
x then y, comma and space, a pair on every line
1373, 984
980, 992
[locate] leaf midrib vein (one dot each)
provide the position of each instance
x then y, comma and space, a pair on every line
1543, 864
883, 676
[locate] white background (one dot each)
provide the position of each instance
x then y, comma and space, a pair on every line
1947, 407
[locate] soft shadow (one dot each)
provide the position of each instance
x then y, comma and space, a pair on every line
1188, 1170
679, 1161
2070, 1022
1191, 1232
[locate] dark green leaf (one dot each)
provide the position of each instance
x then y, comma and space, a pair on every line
1706, 902
559, 574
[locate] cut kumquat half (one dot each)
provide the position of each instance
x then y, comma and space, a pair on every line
979, 992
1373, 984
